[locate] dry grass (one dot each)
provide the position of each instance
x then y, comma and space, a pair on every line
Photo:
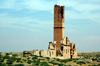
73, 62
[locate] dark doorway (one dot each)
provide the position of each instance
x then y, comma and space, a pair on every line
61, 48
71, 56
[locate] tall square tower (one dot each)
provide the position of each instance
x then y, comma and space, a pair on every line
58, 25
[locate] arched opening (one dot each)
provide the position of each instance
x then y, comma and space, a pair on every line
61, 48
61, 11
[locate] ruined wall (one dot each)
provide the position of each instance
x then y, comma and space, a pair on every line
66, 52
73, 50
52, 49
44, 53
36, 52
58, 25
75, 53
66, 48
52, 53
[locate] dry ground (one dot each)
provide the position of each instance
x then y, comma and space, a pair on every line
84, 59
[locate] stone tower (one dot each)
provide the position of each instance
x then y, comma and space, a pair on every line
61, 47
58, 25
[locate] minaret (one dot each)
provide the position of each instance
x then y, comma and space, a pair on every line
58, 25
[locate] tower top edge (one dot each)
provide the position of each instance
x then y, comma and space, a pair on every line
58, 5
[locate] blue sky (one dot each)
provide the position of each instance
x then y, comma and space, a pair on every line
28, 24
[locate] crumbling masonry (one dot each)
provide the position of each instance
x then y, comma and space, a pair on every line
61, 46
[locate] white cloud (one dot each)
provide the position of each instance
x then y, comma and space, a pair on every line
71, 15
82, 9
24, 23
87, 7
7, 4
38, 4
27, 4
81, 5
77, 9
86, 43
3, 14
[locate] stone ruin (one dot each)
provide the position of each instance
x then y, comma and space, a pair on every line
61, 46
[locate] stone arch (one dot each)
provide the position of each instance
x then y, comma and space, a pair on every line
74, 46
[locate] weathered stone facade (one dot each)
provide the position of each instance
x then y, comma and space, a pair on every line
61, 46
67, 49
